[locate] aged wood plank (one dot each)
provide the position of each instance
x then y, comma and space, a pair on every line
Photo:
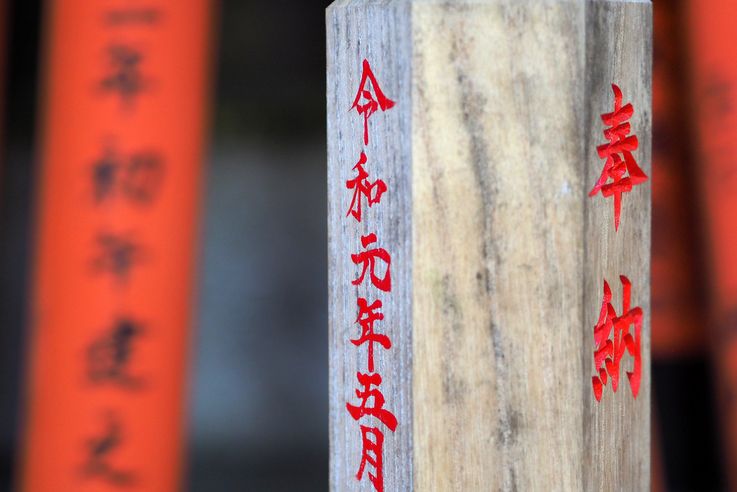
500, 255
377, 31
497, 244
617, 429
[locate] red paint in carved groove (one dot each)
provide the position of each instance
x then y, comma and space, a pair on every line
609, 353
377, 409
618, 155
363, 188
373, 100
367, 316
369, 99
368, 259
372, 453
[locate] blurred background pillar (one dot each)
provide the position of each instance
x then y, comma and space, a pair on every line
712, 32
122, 142
682, 388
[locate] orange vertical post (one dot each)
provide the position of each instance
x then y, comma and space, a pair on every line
677, 312
123, 129
712, 34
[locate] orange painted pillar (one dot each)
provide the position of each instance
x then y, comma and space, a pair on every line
122, 141
678, 316
713, 34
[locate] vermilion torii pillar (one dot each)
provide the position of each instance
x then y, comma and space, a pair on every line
489, 244
711, 34
122, 145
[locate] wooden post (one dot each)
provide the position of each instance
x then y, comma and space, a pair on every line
464, 137
122, 147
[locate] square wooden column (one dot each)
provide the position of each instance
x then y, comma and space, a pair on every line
483, 120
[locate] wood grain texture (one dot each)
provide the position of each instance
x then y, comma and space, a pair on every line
617, 430
378, 31
499, 102
497, 245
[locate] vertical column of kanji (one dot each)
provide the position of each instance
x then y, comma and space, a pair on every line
617, 246
712, 31
369, 245
122, 142
497, 244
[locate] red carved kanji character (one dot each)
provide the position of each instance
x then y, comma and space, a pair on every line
368, 102
372, 453
367, 316
608, 352
618, 155
377, 409
362, 186
368, 259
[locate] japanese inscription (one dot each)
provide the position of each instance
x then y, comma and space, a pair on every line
117, 255
621, 171
110, 356
369, 98
124, 128
363, 189
610, 352
124, 77
373, 271
101, 451
616, 335
136, 177
121, 177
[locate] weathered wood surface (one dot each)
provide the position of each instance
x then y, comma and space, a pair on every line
617, 430
499, 255
384, 35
